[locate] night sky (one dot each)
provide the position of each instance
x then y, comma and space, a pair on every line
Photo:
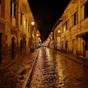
46, 13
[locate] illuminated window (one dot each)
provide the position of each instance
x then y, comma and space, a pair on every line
12, 8
86, 10
82, 12
64, 28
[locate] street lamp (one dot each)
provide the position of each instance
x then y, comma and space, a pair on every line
37, 35
32, 23
59, 31
32, 36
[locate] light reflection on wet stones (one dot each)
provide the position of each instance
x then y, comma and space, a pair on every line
45, 75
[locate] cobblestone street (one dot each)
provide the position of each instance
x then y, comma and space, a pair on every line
43, 43
56, 70
13, 74
45, 75
53, 69
71, 71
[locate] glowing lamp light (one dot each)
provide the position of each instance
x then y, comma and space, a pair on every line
37, 35
58, 31
33, 23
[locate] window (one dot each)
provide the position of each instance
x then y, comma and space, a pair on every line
75, 19
12, 8
71, 22
66, 25
82, 12
21, 17
86, 45
0, 7
86, 10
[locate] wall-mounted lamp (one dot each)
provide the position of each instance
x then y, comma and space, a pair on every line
32, 23
59, 31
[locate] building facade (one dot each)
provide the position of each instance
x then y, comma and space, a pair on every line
74, 28
15, 27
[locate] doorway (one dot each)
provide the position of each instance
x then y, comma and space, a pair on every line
0, 48
13, 48
86, 48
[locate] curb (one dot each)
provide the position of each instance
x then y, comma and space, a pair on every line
29, 74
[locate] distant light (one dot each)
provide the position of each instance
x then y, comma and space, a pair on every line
58, 31
32, 23
51, 37
37, 34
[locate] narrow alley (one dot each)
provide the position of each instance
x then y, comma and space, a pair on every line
43, 43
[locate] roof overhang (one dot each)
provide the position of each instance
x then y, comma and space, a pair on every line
83, 35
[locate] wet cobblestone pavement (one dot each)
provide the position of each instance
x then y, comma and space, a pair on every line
56, 70
45, 75
71, 74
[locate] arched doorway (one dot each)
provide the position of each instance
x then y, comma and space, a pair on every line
13, 48
22, 46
